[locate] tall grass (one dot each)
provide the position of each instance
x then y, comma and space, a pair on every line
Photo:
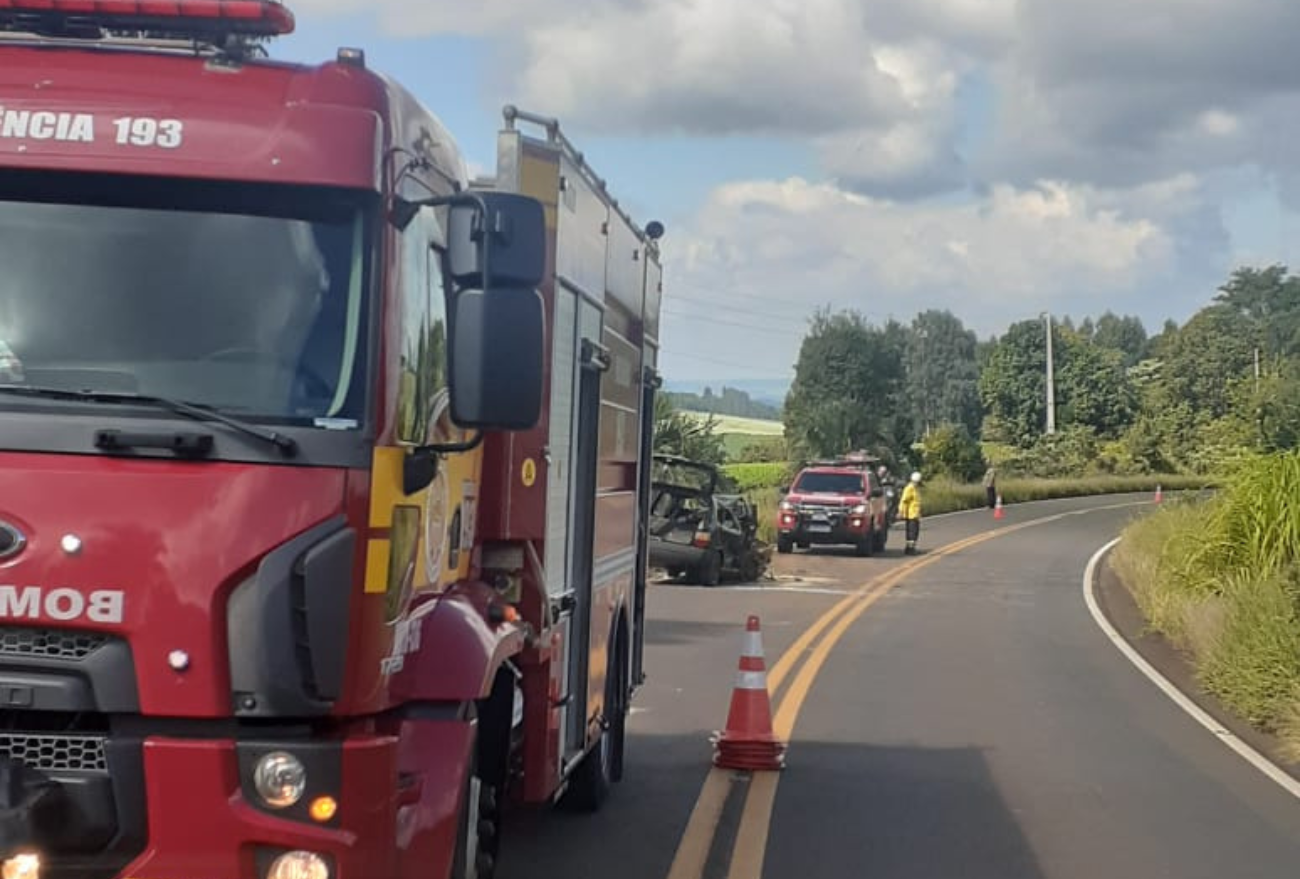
1221, 579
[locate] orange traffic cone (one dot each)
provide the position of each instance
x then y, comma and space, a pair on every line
1159, 494
998, 512
748, 741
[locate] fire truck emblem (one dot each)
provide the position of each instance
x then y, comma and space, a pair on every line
12, 541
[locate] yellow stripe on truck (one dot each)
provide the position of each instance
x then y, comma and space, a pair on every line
385, 485
378, 552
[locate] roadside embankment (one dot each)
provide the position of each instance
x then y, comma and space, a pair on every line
1220, 579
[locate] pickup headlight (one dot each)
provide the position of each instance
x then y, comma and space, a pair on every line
860, 510
787, 507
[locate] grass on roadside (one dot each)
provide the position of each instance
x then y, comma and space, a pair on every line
1221, 579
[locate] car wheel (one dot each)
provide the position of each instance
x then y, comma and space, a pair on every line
710, 570
867, 545
784, 545
749, 569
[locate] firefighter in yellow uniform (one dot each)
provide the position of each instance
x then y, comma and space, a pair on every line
909, 508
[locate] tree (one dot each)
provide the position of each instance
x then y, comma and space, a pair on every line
1205, 359
677, 433
847, 383
1094, 389
1123, 334
731, 402
1269, 299
1013, 383
942, 372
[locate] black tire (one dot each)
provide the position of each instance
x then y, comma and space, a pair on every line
785, 545
749, 568
709, 572
478, 831
882, 538
867, 545
590, 784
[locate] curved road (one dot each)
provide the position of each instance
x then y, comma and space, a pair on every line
973, 721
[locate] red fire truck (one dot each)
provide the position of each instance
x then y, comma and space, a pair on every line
323, 468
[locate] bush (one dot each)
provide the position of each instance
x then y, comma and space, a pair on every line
1221, 579
758, 449
950, 451
753, 477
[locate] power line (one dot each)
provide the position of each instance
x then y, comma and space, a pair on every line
707, 319
707, 359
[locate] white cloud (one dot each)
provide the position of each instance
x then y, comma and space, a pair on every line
1098, 168
759, 249
1045, 243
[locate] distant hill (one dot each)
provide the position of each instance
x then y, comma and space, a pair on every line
729, 401
770, 392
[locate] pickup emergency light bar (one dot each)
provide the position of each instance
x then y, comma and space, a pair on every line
189, 18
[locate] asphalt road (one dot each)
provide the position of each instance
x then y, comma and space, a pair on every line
973, 721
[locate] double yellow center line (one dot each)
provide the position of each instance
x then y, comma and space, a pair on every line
751, 838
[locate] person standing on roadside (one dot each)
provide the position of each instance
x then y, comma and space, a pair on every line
991, 485
909, 507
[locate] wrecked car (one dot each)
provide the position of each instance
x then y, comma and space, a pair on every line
700, 526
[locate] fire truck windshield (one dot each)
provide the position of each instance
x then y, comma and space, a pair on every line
244, 298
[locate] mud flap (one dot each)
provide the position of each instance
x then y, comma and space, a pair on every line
28, 805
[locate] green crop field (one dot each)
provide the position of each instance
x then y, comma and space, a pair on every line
730, 424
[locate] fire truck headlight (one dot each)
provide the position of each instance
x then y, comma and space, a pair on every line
24, 866
299, 865
280, 779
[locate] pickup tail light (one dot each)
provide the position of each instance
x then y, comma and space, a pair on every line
703, 539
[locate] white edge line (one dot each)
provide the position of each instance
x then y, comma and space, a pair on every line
1248, 753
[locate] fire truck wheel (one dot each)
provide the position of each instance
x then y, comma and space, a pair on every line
591, 782
477, 831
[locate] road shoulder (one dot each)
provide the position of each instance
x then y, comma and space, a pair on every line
1119, 607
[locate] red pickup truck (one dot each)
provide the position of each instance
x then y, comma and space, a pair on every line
834, 502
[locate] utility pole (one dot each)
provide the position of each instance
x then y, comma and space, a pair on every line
1051, 378
1256, 369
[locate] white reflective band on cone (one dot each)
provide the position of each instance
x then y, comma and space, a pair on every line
753, 645
751, 680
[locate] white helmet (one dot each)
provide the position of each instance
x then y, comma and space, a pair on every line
916, 477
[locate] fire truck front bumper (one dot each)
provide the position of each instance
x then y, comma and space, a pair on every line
208, 809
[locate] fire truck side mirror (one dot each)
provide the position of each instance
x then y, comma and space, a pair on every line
497, 239
495, 358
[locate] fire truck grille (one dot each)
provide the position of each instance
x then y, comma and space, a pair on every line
49, 643
54, 753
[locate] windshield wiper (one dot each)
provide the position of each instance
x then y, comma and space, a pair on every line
285, 444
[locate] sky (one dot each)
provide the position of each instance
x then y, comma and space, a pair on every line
997, 158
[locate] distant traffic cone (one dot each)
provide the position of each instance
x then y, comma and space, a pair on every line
1159, 494
998, 512
748, 741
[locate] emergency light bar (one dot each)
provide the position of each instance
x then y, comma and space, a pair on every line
197, 18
